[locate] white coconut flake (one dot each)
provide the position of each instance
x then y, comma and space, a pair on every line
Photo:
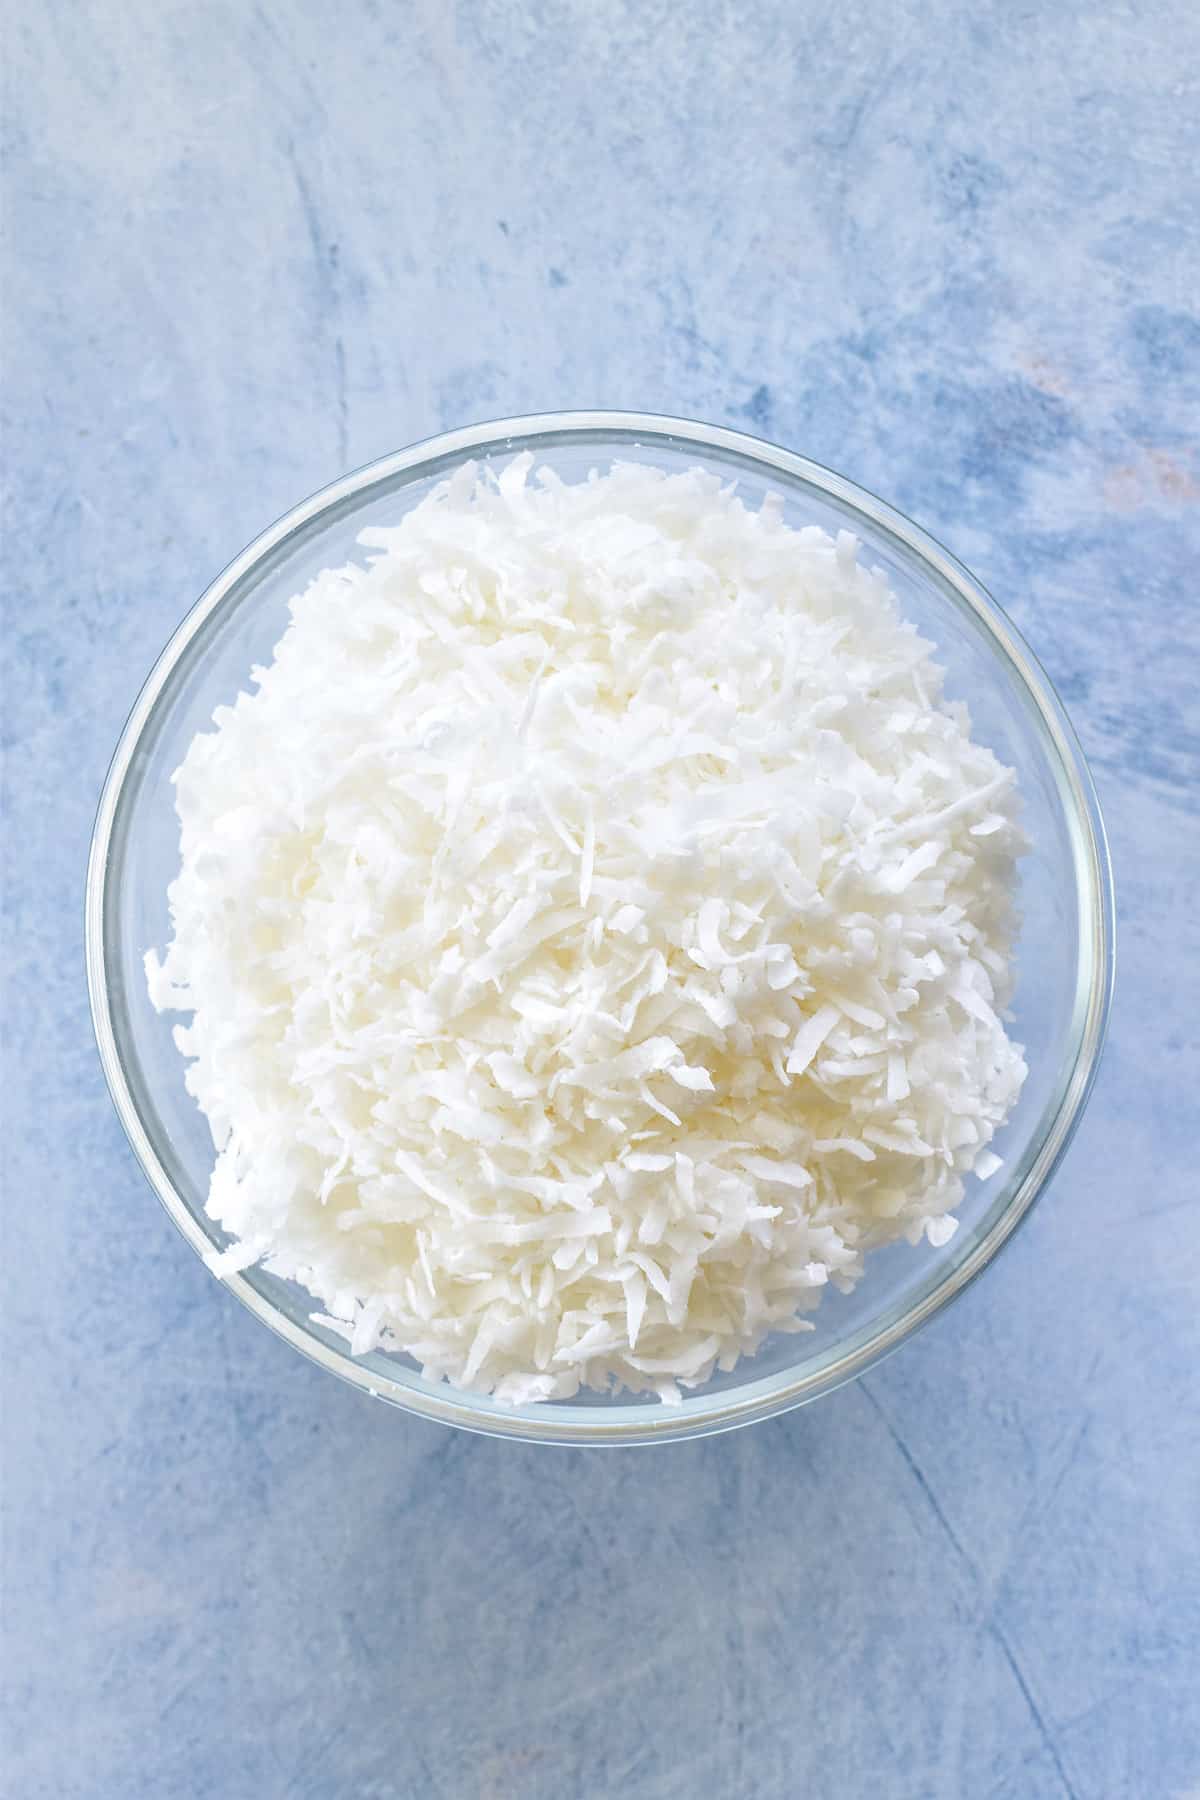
810, 1037
596, 930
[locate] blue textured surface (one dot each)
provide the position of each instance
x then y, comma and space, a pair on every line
950, 249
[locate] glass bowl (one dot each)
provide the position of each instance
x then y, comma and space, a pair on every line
1064, 954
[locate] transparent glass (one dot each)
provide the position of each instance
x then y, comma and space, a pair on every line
1065, 952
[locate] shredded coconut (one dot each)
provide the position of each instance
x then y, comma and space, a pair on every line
596, 930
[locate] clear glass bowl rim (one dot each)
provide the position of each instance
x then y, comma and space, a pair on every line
757, 1399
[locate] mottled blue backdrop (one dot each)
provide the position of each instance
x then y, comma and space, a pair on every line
947, 246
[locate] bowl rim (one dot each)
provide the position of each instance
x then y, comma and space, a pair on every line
756, 1399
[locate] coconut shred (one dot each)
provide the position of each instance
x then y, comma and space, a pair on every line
595, 927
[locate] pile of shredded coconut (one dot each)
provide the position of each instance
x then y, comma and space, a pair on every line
596, 928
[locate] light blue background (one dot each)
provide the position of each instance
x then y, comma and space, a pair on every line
950, 248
